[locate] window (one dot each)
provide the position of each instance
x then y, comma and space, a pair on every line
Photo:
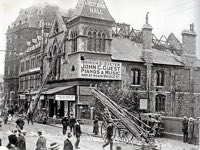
89, 41
160, 103
160, 78
136, 75
103, 42
74, 36
96, 41
27, 65
22, 67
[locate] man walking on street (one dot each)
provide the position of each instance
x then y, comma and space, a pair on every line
185, 129
196, 131
65, 123
20, 122
109, 135
72, 121
77, 132
67, 143
30, 116
21, 140
41, 142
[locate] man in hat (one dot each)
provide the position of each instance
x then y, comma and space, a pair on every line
190, 130
72, 122
30, 116
77, 132
67, 143
109, 135
196, 131
20, 122
41, 142
54, 146
65, 123
185, 129
13, 138
21, 140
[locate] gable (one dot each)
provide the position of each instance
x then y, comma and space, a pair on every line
92, 9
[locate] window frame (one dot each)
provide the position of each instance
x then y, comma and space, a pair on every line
136, 80
160, 101
160, 78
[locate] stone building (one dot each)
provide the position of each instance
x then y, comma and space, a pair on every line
92, 48
23, 33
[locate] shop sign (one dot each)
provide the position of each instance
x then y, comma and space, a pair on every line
22, 97
100, 70
41, 97
65, 97
143, 104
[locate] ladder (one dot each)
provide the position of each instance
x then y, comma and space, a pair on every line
37, 98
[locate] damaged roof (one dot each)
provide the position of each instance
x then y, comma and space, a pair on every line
126, 50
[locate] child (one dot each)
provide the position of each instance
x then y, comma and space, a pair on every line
9, 119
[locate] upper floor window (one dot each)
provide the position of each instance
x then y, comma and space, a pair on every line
160, 103
96, 41
74, 36
160, 78
22, 67
27, 65
136, 75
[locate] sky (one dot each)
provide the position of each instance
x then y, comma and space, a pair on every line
165, 16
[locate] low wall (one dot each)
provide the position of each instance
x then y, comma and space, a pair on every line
172, 127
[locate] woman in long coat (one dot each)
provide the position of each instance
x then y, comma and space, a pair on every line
190, 130
196, 131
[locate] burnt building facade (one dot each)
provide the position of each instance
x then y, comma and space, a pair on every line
92, 48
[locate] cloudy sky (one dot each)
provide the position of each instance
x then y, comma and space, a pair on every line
165, 16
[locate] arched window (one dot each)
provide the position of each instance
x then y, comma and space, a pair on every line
136, 75
98, 43
160, 78
94, 41
56, 28
74, 36
103, 42
89, 41
160, 103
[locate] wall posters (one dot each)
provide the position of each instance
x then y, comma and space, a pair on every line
100, 70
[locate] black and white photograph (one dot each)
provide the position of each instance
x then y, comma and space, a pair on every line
99, 74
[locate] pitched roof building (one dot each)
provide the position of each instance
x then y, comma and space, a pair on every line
93, 48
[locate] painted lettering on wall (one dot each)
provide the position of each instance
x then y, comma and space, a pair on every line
96, 7
100, 70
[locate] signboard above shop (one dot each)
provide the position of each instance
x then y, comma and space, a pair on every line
100, 70
65, 97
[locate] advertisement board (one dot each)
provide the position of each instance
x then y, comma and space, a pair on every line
143, 104
100, 70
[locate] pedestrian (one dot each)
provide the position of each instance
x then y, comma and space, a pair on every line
21, 140
1, 123
41, 142
5, 115
65, 123
72, 122
54, 146
30, 116
190, 130
11, 147
67, 143
109, 135
185, 129
9, 119
196, 131
13, 138
77, 132
20, 122
95, 125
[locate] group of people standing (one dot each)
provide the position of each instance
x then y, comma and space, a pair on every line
190, 129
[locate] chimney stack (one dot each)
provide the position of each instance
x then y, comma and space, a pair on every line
147, 41
189, 46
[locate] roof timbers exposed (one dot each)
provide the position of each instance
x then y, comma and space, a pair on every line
122, 30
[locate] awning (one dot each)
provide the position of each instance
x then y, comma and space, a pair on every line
57, 89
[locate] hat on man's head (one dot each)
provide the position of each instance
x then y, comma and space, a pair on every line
191, 119
39, 131
185, 117
54, 146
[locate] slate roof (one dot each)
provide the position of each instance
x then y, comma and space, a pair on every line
126, 50
84, 8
